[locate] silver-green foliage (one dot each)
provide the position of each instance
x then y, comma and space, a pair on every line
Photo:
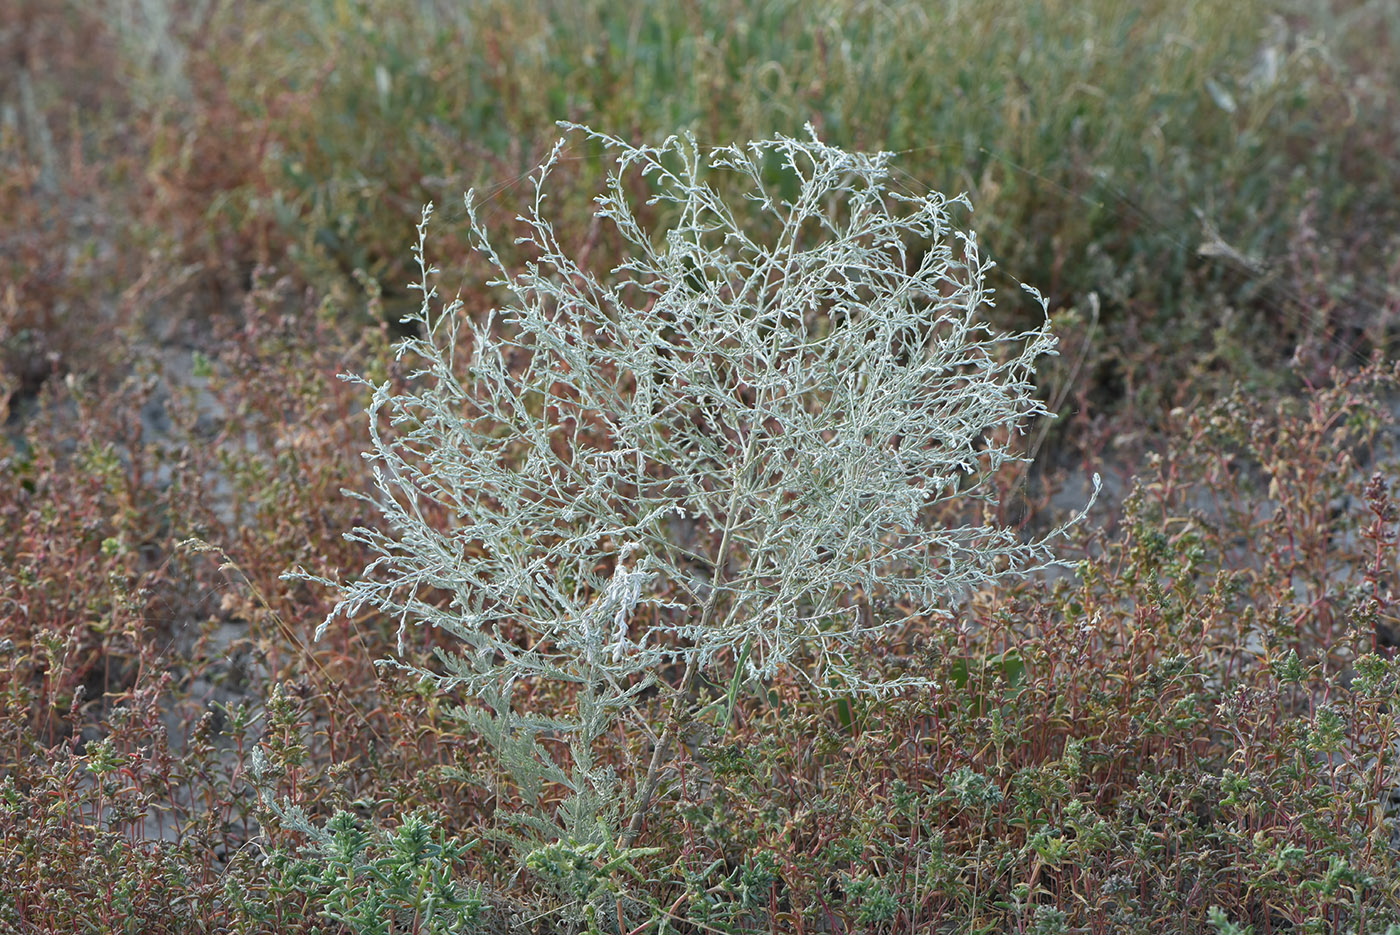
708, 453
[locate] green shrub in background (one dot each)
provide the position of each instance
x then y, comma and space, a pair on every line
712, 458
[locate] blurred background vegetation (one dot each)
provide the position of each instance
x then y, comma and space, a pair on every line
1212, 182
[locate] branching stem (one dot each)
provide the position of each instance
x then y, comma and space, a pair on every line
692, 665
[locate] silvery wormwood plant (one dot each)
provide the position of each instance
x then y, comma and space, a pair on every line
705, 458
